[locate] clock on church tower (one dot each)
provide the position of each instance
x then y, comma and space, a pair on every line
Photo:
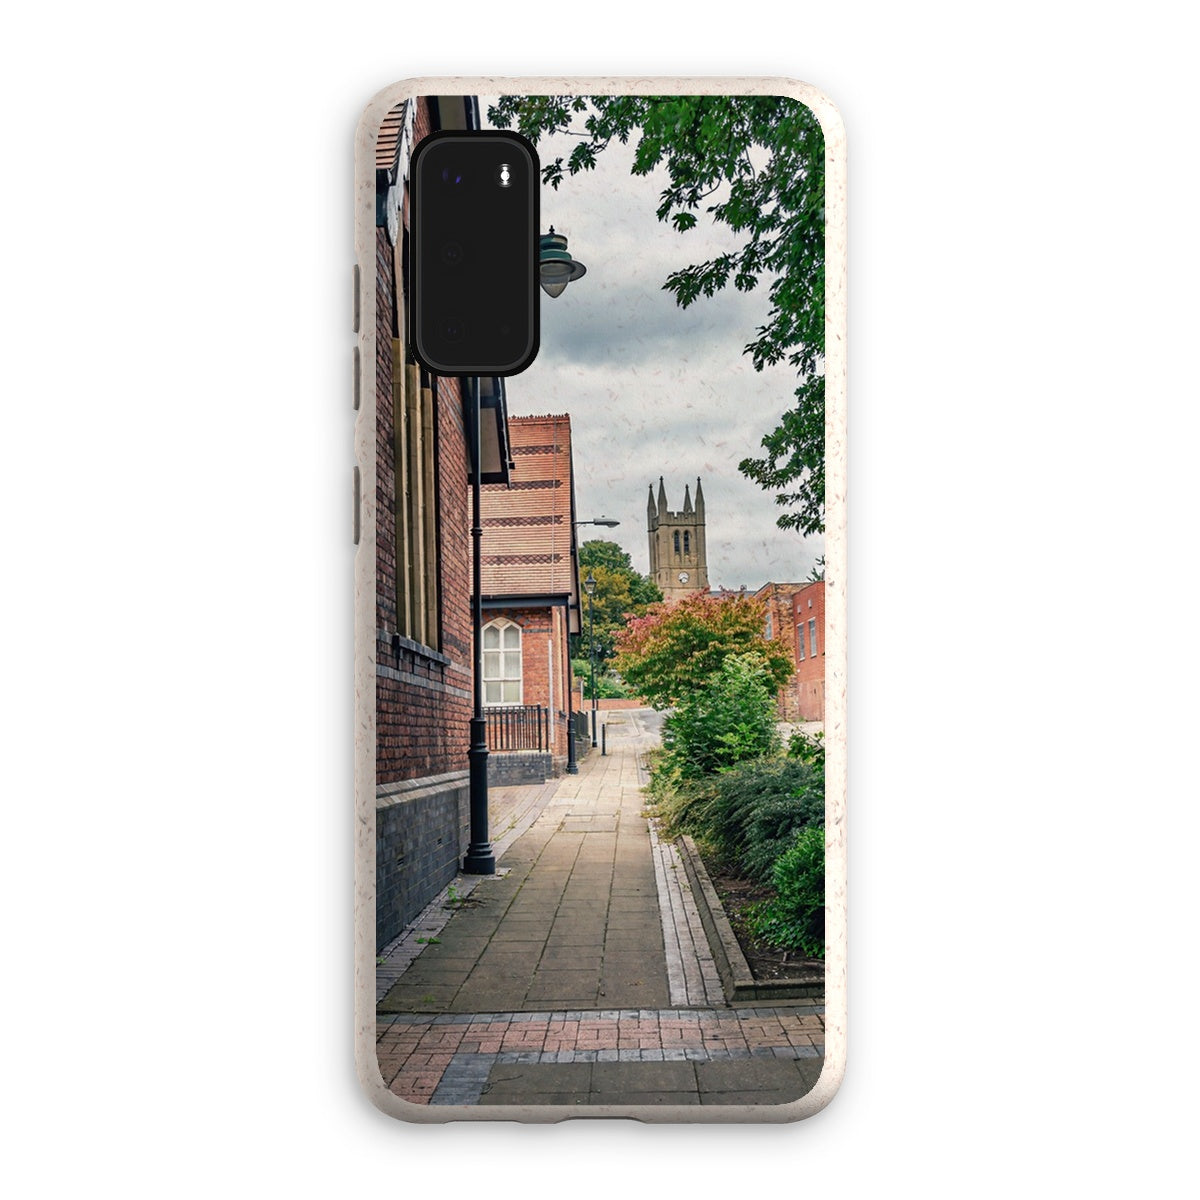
678, 554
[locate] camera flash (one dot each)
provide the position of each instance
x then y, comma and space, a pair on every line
504, 175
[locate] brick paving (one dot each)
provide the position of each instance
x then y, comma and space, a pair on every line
482, 1058
579, 974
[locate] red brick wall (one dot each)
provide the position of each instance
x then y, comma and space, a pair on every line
543, 646
777, 597
809, 605
424, 700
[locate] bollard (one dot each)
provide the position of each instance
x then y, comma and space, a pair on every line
604, 739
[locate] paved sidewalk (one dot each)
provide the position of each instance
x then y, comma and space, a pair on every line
579, 974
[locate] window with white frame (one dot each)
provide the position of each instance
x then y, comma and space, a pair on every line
501, 662
800, 641
812, 638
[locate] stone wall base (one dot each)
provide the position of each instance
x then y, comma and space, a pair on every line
517, 767
422, 829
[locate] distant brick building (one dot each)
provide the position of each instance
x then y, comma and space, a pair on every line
808, 627
777, 599
530, 592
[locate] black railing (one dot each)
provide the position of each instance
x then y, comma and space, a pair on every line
518, 727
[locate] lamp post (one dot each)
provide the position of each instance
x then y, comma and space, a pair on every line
480, 858
589, 586
556, 268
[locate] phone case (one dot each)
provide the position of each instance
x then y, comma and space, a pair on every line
600, 793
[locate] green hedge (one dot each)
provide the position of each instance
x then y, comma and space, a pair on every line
794, 918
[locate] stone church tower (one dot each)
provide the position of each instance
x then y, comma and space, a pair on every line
678, 554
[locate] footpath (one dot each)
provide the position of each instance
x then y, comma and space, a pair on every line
579, 974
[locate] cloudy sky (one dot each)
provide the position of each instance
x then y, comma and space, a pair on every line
653, 389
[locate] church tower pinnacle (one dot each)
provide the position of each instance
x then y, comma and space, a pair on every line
678, 550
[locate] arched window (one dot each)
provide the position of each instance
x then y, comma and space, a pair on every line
677, 541
501, 662
687, 542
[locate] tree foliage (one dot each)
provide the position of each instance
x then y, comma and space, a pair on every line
620, 592
729, 720
755, 164
676, 648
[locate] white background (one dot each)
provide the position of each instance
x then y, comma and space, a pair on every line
175, 472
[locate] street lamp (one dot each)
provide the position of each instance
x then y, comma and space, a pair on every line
480, 858
589, 586
556, 267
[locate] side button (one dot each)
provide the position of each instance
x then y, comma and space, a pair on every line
356, 279
357, 510
357, 378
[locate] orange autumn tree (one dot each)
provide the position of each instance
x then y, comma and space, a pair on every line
677, 648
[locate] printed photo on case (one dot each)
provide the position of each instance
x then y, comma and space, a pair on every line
600, 638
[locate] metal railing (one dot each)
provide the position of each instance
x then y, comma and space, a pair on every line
518, 727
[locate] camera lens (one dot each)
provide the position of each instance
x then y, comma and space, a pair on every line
452, 254
452, 175
453, 329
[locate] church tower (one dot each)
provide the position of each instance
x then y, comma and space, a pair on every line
678, 554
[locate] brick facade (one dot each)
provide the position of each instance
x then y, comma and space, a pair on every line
808, 605
423, 692
530, 565
423, 695
777, 599
545, 666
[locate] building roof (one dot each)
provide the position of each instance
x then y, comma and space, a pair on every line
528, 532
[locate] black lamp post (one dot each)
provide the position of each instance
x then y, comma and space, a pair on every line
589, 586
556, 268
480, 858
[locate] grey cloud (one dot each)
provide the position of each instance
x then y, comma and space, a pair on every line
654, 389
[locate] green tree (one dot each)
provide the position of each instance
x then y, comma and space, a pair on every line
620, 593
675, 649
755, 164
728, 720
599, 552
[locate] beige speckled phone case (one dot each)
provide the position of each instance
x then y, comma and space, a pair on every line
601, 622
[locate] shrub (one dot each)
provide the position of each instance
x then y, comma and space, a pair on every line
609, 686
728, 720
752, 813
679, 803
794, 918
809, 748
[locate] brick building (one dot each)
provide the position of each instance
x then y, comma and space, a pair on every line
777, 600
530, 593
808, 627
423, 626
